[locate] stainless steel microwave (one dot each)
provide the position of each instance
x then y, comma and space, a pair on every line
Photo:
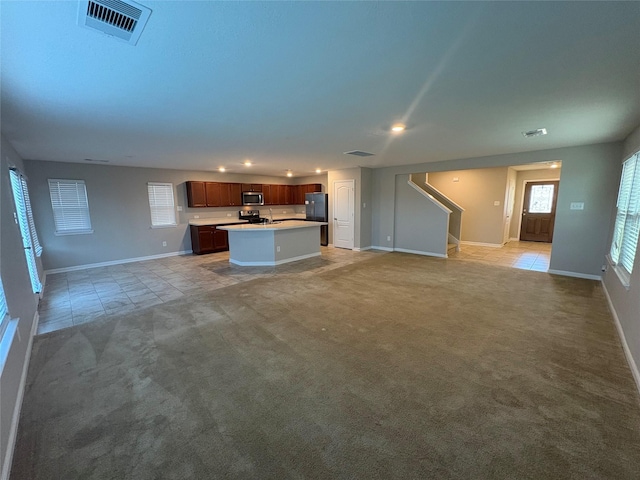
252, 198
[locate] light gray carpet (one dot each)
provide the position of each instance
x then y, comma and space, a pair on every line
400, 367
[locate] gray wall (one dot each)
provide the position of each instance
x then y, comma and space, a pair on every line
366, 208
20, 298
475, 191
522, 177
421, 225
590, 174
119, 209
626, 302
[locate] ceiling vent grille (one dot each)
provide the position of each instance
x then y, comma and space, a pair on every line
122, 20
359, 153
538, 132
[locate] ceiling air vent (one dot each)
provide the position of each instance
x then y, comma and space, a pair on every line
535, 133
359, 153
122, 20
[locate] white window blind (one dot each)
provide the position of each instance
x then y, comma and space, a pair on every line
23, 223
163, 213
627, 227
70, 206
4, 311
32, 224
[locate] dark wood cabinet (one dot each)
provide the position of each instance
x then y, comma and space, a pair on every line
216, 194
252, 187
196, 196
208, 239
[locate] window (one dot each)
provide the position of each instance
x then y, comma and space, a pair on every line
32, 225
25, 231
70, 206
163, 213
627, 227
4, 311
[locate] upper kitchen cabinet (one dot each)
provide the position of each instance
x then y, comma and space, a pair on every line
231, 194
213, 194
252, 187
196, 196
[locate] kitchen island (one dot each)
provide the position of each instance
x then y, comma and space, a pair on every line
273, 244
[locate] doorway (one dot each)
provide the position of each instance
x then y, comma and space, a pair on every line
343, 214
539, 211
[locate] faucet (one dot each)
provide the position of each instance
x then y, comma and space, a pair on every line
270, 215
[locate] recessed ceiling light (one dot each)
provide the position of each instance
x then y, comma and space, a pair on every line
222, 169
318, 170
398, 127
247, 163
289, 174
535, 133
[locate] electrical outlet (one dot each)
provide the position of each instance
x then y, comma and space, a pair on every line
496, 203
164, 244
278, 248
228, 214
576, 206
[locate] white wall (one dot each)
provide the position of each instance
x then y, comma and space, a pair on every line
626, 302
476, 191
21, 301
589, 173
119, 209
421, 225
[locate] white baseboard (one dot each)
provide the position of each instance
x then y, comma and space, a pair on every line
564, 273
514, 239
625, 346
116, 262
418, 252
15, 420
384, 249
480, 244
364, 249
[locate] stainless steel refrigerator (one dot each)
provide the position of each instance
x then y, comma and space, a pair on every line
318, 211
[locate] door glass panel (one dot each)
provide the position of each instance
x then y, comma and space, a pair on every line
541, 199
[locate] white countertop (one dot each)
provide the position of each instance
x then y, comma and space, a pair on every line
200, 222
247, 227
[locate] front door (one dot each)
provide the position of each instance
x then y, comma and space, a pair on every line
343, 209
539, 211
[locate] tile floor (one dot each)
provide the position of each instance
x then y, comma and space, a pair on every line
516, 254
82, 296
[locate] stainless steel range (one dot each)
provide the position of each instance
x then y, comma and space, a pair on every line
252, 216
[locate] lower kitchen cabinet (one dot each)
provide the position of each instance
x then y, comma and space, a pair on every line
208, 239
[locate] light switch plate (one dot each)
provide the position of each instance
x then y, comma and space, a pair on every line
496, 203
577, 206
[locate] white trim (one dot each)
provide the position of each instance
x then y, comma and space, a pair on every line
514, 239
575, 274
272, 264
480, 244
362, 249
13, 429
625, 346
116, 262
443, 195
384, 249
429, 197
418, 252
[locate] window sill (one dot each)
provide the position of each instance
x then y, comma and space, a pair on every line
173, 225
75, 232
623, 275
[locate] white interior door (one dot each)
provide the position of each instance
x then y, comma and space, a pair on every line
343, 214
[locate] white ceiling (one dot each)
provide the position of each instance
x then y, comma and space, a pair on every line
293, 85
